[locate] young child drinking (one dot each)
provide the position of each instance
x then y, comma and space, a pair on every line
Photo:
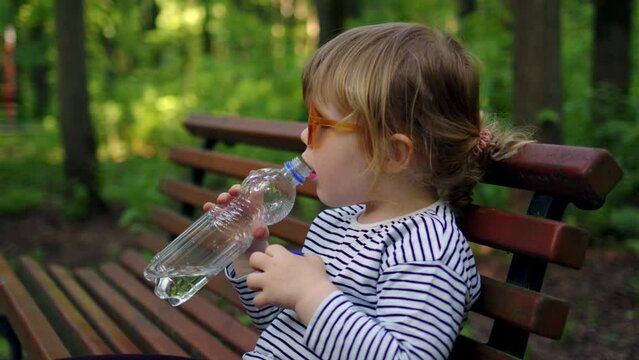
397, 142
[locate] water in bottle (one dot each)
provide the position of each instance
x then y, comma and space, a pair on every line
220, 235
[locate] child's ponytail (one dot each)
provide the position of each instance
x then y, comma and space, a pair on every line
494, 142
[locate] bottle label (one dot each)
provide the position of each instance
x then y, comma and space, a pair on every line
297, 176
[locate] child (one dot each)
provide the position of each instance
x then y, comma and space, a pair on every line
396, 141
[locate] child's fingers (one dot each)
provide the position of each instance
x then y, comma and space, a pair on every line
260, 233
224, 198
207, 206
260, 261
235, 190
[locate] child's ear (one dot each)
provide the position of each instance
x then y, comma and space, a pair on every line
401, 152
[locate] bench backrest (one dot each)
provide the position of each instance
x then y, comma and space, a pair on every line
557, 175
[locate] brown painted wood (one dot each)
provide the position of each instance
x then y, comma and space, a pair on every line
201, 309
226, 164
27, 320
466, 348
105, 326
142, 331
169, 220
151, 242
289, 229
187, 192
222, 287
200, 342
549, 240
269, 133
78, 335
529, 310
585, 175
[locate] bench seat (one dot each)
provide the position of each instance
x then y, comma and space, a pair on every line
55, 312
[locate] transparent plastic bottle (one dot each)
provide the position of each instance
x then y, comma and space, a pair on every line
223, 233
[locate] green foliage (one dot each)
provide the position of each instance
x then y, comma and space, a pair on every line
146, 75
547, 116
134, 183
18, 199
76, 205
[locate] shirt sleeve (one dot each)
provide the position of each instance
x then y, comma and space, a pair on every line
261, 317
419, 313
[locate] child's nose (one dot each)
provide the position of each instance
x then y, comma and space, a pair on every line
304, 136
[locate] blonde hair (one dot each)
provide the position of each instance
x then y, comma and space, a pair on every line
415, 80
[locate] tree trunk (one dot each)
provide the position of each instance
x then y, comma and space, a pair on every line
611, 68
207, 37
332, 15
150, 15
537, 84
466, 7
537, 68
75, 122
39, 74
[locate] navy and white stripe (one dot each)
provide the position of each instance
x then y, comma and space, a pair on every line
405, 286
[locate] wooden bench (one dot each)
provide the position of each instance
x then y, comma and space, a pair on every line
56, 312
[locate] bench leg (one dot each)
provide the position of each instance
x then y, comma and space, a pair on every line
14, 344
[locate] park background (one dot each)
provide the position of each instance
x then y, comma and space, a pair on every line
82, 151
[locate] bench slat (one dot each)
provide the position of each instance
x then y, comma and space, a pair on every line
290, 229
169, 220
584, 174
529, 310
466, 348
549, 240
78, 335
226, 164
140, 329
528, 319
109, 330
29, 323
200, 309
151, 242
194, 338
269, 133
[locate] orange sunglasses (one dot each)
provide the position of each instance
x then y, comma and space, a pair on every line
315, 121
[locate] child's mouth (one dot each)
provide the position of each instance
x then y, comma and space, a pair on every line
312, 176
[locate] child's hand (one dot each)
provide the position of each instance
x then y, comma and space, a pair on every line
290, 281
260, 233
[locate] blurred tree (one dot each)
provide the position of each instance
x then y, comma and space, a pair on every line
332, 16
150, 13
40, 71
537, 87
537, 68
75, 121
466, 7
207, 37
611, 65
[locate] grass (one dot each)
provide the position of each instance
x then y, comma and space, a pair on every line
32, 174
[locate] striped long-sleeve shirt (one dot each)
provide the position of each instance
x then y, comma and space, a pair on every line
405, 286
